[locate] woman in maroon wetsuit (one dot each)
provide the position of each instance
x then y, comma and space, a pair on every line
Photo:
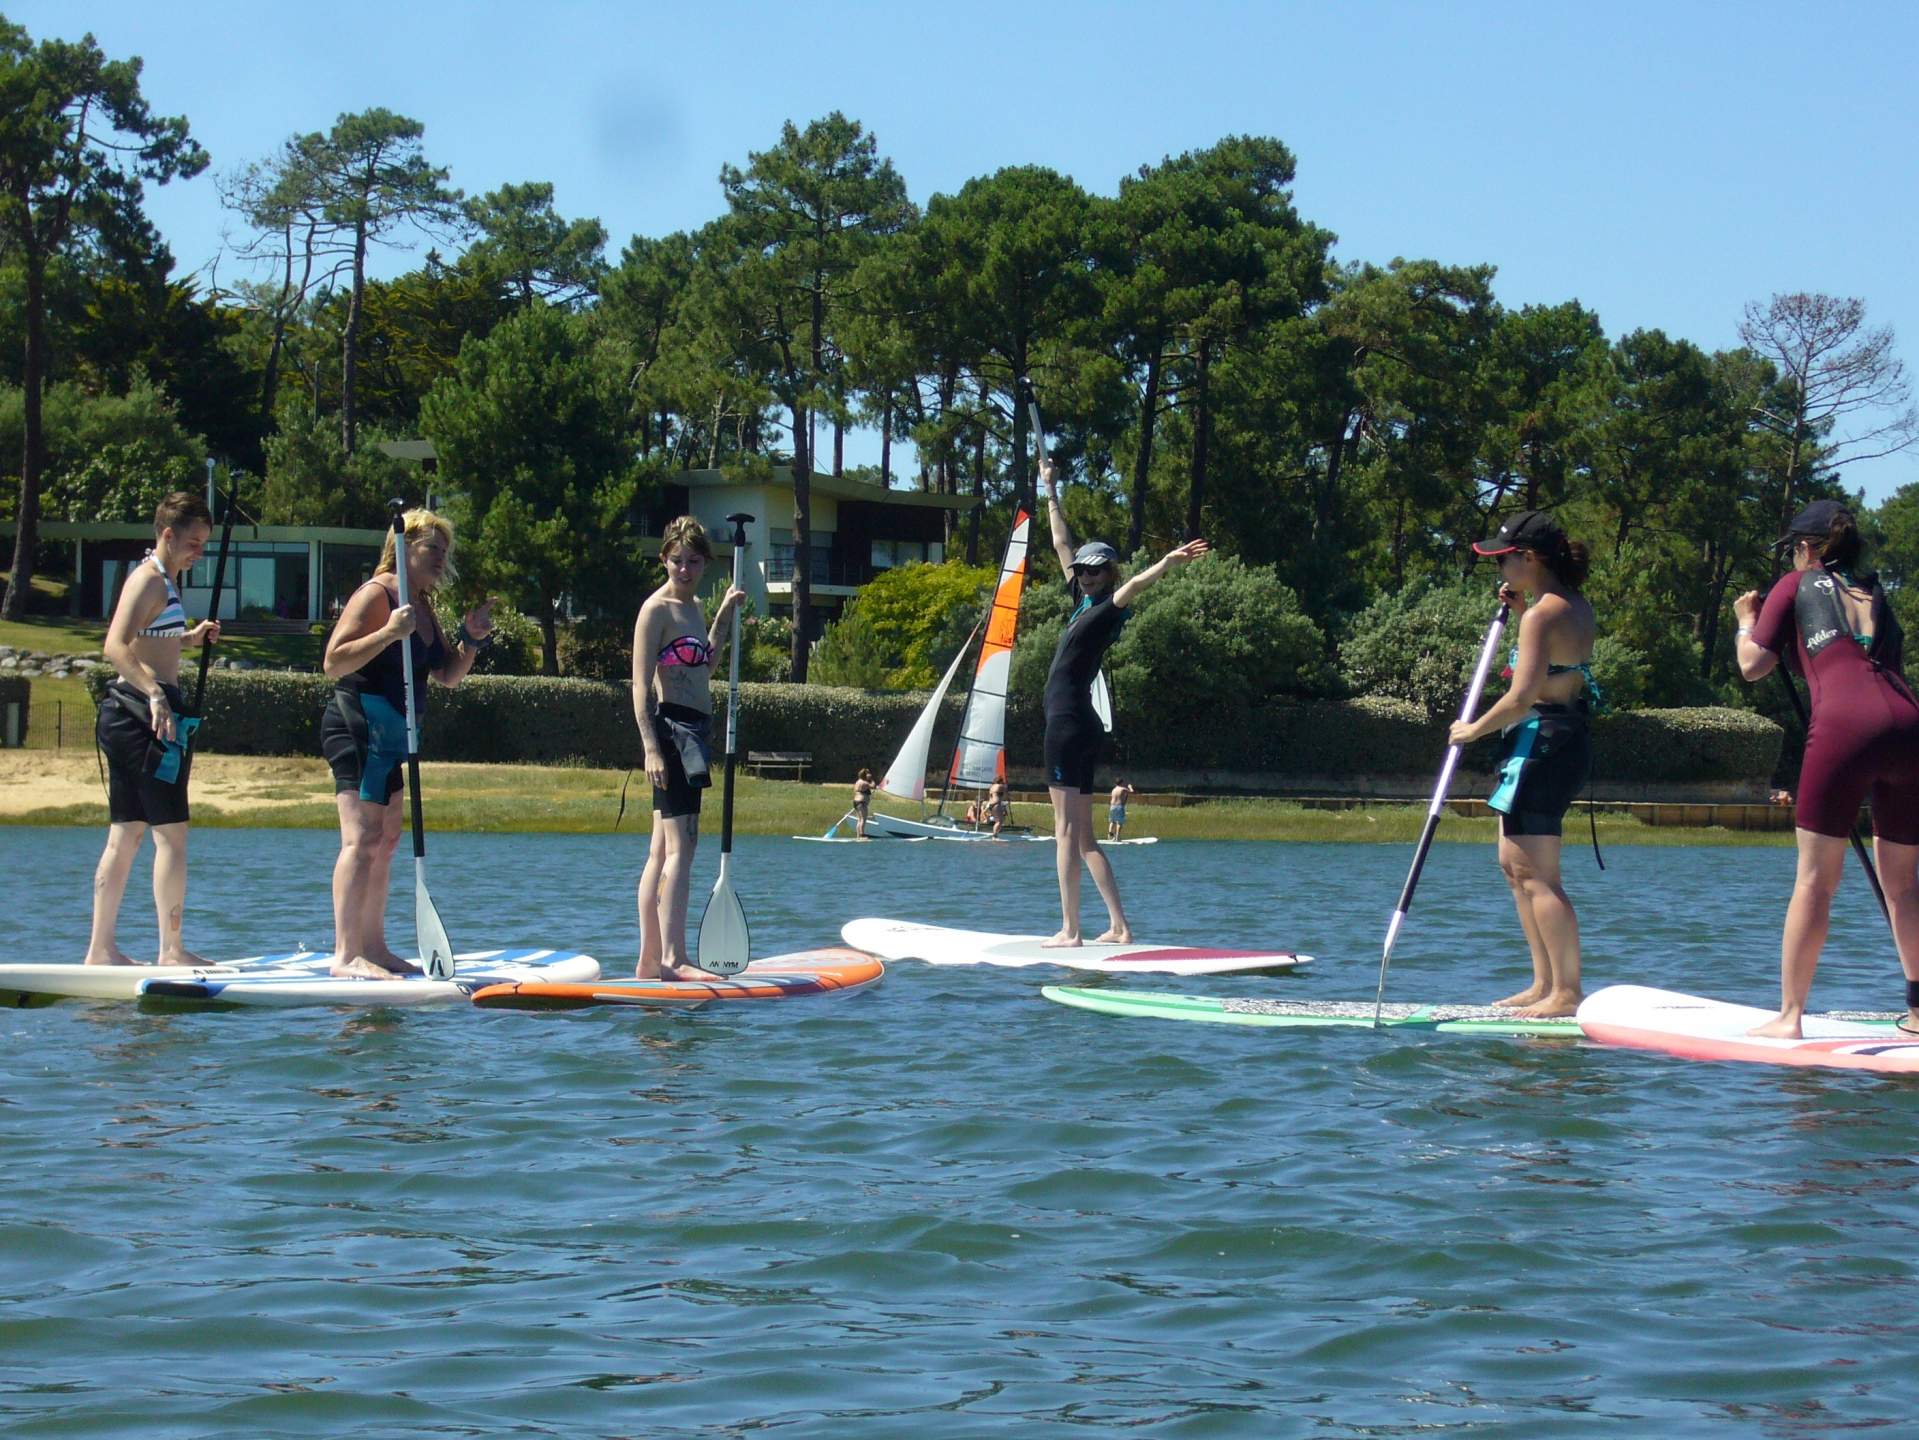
1834, 626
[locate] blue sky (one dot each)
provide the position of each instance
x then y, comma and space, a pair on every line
1662, 163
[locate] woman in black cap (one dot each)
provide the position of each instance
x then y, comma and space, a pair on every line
1835, 624
1074, 733
1547, 756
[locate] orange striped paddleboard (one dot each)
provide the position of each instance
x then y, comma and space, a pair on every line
778, 977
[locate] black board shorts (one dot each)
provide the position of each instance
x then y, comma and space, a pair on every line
135, 794
1542, 768
680, 795
1072, 749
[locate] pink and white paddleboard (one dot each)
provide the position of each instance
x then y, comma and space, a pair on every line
938, 945
1637, 1017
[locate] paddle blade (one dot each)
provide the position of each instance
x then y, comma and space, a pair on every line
436, 951
723, 946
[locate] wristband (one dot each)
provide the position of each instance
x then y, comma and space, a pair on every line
466, 638
1742, 630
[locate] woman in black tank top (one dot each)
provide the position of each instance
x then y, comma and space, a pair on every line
1074, 731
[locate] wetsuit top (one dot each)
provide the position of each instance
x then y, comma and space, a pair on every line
384, 675
1090, 632
1804, 619
171, 622
685, 650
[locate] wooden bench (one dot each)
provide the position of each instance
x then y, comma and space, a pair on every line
784, 764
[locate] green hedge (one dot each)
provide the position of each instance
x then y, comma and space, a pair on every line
535, 719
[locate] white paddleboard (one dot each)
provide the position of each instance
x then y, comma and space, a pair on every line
1638, 1017
937, 945
25, 984
471, 972
856, 840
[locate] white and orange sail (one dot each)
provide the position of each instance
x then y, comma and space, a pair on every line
979, 756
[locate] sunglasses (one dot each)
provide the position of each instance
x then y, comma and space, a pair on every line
1091, 569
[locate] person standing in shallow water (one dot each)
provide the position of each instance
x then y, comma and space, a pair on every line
140, 735
1074, 734
1546, 713
674, 652
1833, 621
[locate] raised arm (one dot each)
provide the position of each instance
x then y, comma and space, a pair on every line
1756, 662
1172, 559
1056, 517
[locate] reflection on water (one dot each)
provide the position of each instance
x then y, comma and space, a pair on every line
943, 1206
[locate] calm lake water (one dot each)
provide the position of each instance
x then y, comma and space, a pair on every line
944, 1207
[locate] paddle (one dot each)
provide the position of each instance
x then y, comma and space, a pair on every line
435, 949
213, 608
724, 946
1858, 845
1439, 799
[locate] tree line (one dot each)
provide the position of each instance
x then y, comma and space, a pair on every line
1205, 361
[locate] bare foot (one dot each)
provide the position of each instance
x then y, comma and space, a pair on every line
1782, 1026
1118, 935
688, 972
394, 965
1065, 940
1555, 1006
360, 968
115, 956
1531, 995
184, 957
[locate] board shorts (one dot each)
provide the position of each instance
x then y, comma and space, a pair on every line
1072, 750
1115, 814
137, 759
364, 741
1544, 764
682, 731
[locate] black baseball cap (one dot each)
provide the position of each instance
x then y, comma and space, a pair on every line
1095, 555
1528, 530
1814, 522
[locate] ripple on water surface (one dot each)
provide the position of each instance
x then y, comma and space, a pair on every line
943, 1206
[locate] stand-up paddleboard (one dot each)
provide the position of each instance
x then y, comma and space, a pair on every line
1637, 1017
859, 840
937, 945
1309, 1014
778, 977
42, 984
471, 972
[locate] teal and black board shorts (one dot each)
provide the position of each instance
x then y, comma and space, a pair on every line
1542, 768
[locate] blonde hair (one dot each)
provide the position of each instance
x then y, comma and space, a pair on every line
419, 524
688, 532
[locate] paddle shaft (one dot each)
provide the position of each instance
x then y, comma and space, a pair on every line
406, 670
1858, 845
1466, 710
213, 609
732, 694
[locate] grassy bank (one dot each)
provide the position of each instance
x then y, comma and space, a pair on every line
234, 791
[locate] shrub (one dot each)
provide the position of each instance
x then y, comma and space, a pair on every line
1418, 644
1290, 743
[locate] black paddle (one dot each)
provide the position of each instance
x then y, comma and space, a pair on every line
1439, 800
724, 945
213, 608
436, 951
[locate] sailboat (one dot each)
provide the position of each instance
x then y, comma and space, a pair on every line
979, 754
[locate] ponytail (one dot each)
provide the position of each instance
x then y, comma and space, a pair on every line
1841, 545
1570, 564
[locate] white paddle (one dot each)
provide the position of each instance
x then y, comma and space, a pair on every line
1438, 803
724, 946
436, 951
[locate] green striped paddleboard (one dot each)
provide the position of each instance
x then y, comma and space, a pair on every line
1308, 1014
